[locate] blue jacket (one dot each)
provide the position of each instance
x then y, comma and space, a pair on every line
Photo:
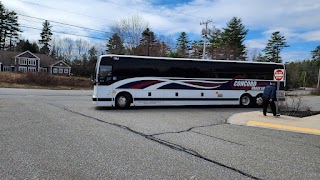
270, 93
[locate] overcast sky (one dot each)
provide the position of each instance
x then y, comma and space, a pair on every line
297, 20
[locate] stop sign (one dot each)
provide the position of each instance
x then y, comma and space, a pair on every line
278, 75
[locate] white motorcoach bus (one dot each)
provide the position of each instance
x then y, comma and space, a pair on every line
123, 81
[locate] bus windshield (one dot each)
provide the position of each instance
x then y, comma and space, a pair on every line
105, 74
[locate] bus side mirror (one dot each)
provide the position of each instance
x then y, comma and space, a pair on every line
93, 80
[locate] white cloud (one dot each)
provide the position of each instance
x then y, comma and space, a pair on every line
311, 36
295, 56
256, 43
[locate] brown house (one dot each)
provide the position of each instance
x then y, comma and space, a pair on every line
29, 62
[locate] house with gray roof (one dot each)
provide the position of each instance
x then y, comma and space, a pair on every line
11, 61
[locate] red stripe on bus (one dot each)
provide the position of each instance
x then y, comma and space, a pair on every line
144, 84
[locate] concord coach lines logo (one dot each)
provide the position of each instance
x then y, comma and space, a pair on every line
245, 83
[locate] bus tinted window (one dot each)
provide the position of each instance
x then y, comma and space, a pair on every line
127, 67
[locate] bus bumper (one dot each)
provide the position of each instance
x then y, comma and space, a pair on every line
102, 101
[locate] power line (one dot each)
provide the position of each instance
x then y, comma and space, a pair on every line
64, 10
24, 26
159, 12
35, 21
64, 23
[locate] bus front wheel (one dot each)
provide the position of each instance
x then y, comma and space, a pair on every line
123, 101
245, 100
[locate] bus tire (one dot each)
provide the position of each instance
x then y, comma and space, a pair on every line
245, 100
258, 100
123, 100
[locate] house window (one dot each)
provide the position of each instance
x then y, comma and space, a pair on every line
43, 70
60, 71
23, 61
55, 70
22, 69
31, 62
66, 71
7, 68
31, 69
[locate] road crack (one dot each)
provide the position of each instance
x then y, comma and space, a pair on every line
160, 141
219, 138
183, 131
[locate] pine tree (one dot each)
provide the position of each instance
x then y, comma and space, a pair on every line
215, 49
9, 28
183, 44
2, 25
45, 37
261, 58
23, 45
274, 47
233, 37
316, 54
115, 45
13, 29
196, 49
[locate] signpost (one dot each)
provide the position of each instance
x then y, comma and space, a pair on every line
278, 76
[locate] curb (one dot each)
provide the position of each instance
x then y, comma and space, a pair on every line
308, 125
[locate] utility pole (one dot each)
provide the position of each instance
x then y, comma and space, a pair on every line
205, 34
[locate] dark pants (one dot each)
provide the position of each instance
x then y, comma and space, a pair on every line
265, 104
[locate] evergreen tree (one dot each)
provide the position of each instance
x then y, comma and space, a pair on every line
92, 58
25, 45
196, 49
233, 37
316, 54
274, 47
2, 25
9, 28
174, 54
183, 44
12, 29
216, 47
53, 52
115, 45
45, 37
262, 58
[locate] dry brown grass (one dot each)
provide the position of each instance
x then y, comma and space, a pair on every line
42, 80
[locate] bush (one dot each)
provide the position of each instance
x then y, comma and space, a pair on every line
315, 92
44, 80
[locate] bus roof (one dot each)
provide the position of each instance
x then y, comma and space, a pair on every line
189, 59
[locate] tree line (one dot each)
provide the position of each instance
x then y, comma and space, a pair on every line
133, 36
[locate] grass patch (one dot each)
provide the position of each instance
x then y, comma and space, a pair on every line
43, 81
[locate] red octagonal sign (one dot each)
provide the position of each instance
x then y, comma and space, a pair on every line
278, 74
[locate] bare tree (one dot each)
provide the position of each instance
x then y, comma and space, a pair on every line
253, 54
82, 47
56, 48
130, 30
67, 46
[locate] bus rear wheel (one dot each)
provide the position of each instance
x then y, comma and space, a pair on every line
245, 100
123, 101
259, 100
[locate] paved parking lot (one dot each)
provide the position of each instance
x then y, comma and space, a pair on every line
47, 134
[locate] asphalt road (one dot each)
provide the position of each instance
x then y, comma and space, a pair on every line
47, 134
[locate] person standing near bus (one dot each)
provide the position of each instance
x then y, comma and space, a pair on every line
269, 97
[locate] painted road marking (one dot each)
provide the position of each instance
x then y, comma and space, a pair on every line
278, 126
